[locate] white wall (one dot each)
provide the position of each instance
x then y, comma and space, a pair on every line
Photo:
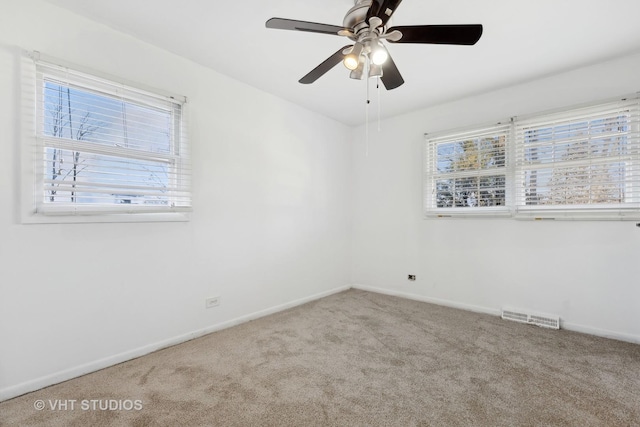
270, 227
588, 272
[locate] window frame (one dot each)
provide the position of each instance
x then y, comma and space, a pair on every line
35, 70
573, 116
432, 175
516, 167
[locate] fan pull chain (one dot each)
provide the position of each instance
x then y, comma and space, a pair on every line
378, 88
367, 113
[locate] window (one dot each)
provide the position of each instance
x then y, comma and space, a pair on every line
466, 172
579, 163
106, 148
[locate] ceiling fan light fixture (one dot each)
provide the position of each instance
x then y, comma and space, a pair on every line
379, 54
375, 70
351, 62
358, 73
352, 59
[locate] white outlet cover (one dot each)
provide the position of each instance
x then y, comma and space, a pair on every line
212, 302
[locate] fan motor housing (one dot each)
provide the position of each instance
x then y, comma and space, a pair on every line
356, 16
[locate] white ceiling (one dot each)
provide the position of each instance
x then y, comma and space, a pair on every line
522, 40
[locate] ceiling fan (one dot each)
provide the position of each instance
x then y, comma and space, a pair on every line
365, 24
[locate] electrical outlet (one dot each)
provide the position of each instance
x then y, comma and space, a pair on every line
212, 302
412, 277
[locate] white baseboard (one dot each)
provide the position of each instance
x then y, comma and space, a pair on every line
58, 377
635, 339
437, 301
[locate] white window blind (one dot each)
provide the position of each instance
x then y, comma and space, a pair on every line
580, 162
103, 147
466, 172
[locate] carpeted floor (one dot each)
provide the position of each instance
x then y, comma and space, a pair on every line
358, 359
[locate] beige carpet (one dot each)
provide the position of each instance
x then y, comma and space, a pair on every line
359, 359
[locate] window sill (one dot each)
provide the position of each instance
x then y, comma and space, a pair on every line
540, 215
473, 214
35, 218
585, 215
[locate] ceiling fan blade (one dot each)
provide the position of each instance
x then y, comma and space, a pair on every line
385, 9
391, 75
311, 27
373, 9
439, 34
325, 66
